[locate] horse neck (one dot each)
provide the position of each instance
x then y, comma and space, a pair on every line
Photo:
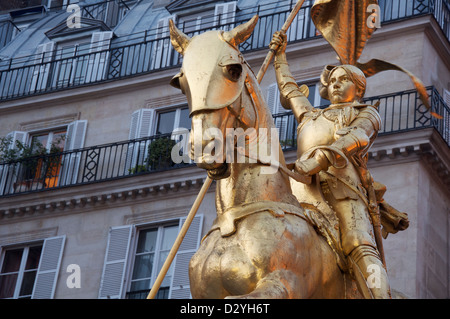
251, 182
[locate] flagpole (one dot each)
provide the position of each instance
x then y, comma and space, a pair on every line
284, 29
208, 181
180, 237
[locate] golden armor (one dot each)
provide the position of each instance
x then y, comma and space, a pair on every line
333, 144
312, 233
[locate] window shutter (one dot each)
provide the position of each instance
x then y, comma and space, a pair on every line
41, 70
273, 98
447, 97
224, 14
76, 133
9, 172
48, 270
446, 114
141, 126
98, 56
114, 267
274, 104
163, 54
180, 287
17, 136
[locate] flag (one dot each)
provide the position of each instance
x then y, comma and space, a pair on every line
345, 25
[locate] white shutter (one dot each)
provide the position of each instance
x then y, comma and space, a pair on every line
141, 126
273, 98
163, 54
274, 104
48, 270
446, 120
114, 267
41, 70
180, 287
76, 133
9, 172
224, 14
98, 56
447, 97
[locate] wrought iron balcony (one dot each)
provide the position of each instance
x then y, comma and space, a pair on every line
150, 51
400, 112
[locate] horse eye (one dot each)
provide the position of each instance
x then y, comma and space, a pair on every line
234, 71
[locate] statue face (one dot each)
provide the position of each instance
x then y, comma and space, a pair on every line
340, 87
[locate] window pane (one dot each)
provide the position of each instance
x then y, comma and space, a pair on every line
12, 260
163, 293
165, 122
39, 141
59, 140
312, 94
147, 241
168, 277
143, 265
27, 283
140, 285
7, 285
34, 254
185, 121
169, 236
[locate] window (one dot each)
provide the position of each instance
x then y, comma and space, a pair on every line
169, 121
152, 249
164, 55
197, 21
177, 123
314, 96
41, 70
135, 255
50, 140
225, 14
47, 169
18, 271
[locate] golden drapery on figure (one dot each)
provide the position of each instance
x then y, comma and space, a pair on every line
344, 24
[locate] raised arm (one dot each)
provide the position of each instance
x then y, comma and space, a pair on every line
292, 96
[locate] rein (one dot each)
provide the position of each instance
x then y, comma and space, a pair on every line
238, 115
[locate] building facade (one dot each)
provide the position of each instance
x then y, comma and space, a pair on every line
91, 199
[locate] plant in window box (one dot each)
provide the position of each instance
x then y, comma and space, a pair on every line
31, 165
138, 169
159, 153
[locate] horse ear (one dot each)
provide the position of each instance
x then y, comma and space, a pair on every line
241, 33
179, 40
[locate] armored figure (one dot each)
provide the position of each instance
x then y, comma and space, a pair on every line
332, 144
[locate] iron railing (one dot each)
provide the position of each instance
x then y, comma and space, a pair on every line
151, 50
92, 164
400, 112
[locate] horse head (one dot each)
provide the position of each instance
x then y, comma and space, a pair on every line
213, 76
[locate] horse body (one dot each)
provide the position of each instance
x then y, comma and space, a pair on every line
262, 244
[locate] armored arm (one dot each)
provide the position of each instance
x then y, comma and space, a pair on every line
292, 96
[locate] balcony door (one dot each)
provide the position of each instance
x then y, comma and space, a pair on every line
48, 168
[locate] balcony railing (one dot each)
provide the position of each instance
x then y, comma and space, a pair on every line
151, 50
400, 112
